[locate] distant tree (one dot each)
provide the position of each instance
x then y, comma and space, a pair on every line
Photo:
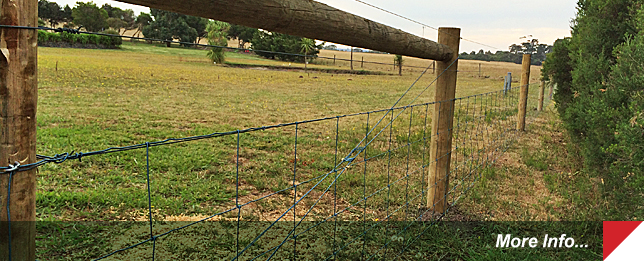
129, 18
276, 42
540, 52
332, 47
515, 54
143, 20
217, 36
89, 16
242, 33
116, 24
307, 45
529, 47
199, 24
51, 12
67, 14
109, 9
398, 60
516, 49
169, 26
120, 19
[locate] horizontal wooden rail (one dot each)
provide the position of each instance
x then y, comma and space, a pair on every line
309, 19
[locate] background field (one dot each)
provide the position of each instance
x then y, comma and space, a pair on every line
95, 99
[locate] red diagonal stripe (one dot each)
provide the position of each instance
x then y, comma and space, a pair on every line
615, 232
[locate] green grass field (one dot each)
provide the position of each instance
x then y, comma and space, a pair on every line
95, 99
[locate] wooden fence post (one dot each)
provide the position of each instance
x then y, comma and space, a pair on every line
479, 70
523, 96
542, 90
18, 97
334, 60
352, 58
362, 63
442, 123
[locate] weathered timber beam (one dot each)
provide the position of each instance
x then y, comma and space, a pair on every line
309, 19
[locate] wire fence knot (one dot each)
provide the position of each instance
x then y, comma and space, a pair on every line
60, 158
67, 30
13, 167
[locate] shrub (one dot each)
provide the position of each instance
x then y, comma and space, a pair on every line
277, 42
54, 37
601, 100
67, 37
84, 39
44, 36
116, 41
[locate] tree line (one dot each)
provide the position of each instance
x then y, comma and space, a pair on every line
600, 99
514, 55
170, 26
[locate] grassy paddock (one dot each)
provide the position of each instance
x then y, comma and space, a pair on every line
95, 99
538, 179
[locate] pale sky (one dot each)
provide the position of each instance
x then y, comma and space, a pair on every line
498, 23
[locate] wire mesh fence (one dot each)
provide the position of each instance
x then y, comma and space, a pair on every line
354, 186
305, 190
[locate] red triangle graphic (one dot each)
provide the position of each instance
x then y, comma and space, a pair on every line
615, 232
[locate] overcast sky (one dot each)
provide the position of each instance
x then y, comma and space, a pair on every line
498, 23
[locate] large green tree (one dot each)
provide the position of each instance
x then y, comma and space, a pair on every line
199, 24
242, 33
599, 97
283, 43
217, 36
558, 70
143, 20
169, 26
90, 16
120, 19
307, 46
53, 13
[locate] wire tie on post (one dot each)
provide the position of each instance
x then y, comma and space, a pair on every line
14, 167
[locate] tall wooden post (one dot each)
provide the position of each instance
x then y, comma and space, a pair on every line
334, 60
362, 63
434, 68
542, 91
523, 96
18, 96
352, 58
479, 70
442, 123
